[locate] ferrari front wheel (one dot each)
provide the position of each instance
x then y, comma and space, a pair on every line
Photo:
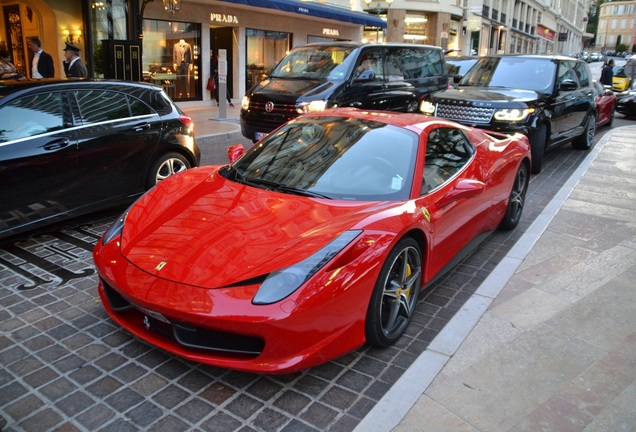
395, 294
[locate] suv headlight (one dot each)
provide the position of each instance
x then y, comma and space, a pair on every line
245, 103
305, 107
515, 114
427, 107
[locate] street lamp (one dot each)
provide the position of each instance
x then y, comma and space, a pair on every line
378, 7
378, 10
172, 6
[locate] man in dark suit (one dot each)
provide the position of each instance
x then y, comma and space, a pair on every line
74, 66
42, 63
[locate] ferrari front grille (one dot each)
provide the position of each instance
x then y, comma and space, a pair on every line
183, 334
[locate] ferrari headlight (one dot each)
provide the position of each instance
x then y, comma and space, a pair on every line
305, 107
513, 114
427, 107
281, 283
245, 103
117, 227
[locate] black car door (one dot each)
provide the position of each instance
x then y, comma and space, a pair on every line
366, 89
118, 137
570, 106
399, 92
38, 159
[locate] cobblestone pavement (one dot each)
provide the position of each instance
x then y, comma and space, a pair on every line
67, 366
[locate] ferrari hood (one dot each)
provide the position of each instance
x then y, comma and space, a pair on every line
207, 231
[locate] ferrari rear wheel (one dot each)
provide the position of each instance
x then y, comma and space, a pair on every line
517, 199
395, 294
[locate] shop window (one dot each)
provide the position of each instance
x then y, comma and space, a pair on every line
264, 50
171, 57
109, 21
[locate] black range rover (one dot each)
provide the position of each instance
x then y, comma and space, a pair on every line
548, 98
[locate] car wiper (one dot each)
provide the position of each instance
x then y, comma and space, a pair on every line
261, 182
272, 185
303, 192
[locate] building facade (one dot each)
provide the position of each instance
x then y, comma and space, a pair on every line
178, 50
616, 23
482, 27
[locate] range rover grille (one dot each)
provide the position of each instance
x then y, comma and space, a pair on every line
465, 114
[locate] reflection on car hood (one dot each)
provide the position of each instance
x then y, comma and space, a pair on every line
278, 89
201, 224
490, 94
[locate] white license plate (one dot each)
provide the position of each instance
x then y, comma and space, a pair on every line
260, 135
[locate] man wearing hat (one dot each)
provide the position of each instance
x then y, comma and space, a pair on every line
74, 66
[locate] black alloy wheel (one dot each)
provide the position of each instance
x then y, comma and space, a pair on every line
517, 198
395, 294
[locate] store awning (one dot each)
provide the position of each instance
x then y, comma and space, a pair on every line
316, 10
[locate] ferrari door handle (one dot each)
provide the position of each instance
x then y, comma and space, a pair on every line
56, 145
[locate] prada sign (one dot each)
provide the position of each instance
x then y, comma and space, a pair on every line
223, 18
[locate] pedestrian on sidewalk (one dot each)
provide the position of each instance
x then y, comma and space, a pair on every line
74, 67
215, 76
41, 62
607, 74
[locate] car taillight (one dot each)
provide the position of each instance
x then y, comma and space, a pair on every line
185, 120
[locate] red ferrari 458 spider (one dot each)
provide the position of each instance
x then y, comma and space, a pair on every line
605, 100
316, 240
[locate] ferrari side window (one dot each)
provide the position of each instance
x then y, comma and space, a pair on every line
447, 152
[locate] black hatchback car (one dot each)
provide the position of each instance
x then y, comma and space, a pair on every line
72, 147
550, 99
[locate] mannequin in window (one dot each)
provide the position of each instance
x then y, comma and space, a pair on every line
182, 59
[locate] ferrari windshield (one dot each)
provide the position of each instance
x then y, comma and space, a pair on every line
316, 62
332, 157
535, 74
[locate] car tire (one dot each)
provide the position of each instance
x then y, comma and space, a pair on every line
167, 165
395, 294
586, 140
537, 148
412, 106
517, 199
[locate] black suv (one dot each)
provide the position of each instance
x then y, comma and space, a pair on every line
71, 147
392, 77
548, 98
